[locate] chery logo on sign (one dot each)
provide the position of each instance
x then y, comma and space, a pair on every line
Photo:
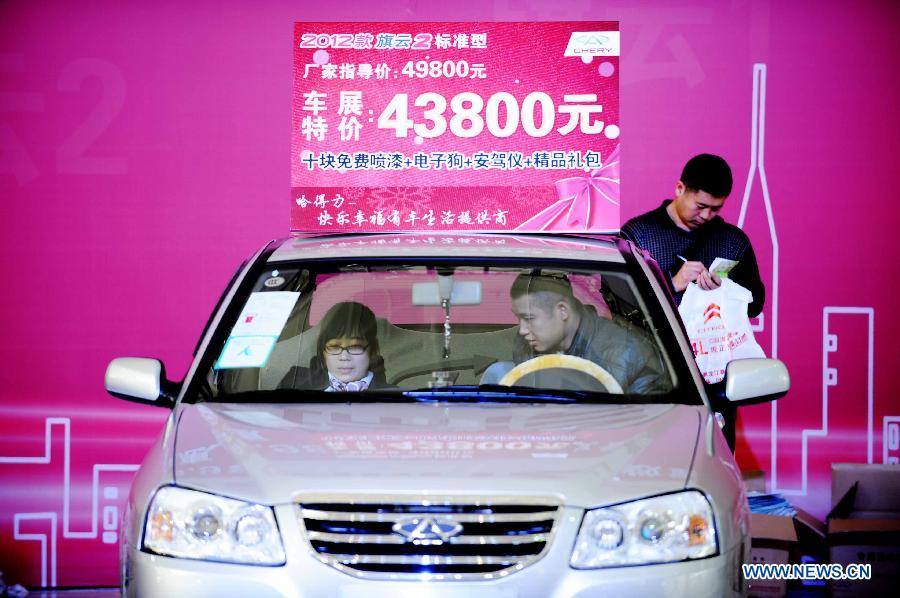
593, 43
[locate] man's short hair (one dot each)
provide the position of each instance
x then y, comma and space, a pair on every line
709, 173
546, 288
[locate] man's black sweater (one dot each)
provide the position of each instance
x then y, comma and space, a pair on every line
657, 233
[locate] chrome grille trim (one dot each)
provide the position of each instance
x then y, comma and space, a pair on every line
350, 559
396, 539
392, 517
359, 534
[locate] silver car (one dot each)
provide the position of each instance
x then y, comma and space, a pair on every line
441, 415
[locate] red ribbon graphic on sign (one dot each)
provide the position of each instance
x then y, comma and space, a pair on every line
586, 203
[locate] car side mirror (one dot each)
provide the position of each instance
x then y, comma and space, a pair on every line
749, 381
140, 380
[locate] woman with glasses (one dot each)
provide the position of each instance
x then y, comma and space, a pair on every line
347, 357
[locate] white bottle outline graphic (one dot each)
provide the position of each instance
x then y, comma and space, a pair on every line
829, 375
757, 163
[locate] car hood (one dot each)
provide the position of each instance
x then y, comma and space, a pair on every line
582, 455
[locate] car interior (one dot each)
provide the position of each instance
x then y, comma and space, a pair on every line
410, 321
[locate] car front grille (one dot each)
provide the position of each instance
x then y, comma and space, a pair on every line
441, 539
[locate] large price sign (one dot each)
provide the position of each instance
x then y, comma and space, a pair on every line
455, 126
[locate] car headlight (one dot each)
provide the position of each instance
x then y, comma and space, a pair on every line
663, 529
196, 525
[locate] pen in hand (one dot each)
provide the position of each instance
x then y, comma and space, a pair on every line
714, 280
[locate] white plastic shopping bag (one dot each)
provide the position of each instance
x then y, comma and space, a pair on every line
718, 327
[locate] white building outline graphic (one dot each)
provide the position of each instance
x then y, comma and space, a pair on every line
829, 341
52, 517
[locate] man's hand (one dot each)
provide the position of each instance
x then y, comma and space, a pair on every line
688, 273
695, 272
708, 281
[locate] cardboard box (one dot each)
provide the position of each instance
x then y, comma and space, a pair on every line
754, 480
864, 526
780, 539
774, 538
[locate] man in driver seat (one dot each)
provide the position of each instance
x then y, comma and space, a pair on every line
552, 320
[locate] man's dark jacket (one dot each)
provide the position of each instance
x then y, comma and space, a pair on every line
623, 350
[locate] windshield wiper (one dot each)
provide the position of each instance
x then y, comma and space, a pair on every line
496, 393
484, 393
300, 396
455, 394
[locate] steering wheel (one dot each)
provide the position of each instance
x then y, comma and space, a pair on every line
567, 362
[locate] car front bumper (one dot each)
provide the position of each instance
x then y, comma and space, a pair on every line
305, 576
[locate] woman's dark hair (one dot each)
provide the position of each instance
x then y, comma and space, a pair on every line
349, 319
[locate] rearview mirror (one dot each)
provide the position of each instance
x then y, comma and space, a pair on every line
749, 381
138, 379
466, 292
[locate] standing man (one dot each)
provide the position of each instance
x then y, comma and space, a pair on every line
686, 234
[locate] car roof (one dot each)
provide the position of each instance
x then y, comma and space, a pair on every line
436, 244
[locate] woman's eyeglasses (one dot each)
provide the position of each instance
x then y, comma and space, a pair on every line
351, 349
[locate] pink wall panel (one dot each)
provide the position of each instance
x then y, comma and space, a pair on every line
144, 152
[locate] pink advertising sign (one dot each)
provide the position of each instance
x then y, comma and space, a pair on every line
455, 126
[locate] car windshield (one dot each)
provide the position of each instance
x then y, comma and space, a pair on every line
475, 331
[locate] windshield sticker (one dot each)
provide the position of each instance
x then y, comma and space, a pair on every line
257, 330
265, 314
246, 352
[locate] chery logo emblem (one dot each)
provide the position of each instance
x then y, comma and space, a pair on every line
427, 530
592, 40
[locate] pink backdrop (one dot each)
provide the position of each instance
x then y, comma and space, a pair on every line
144, 152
